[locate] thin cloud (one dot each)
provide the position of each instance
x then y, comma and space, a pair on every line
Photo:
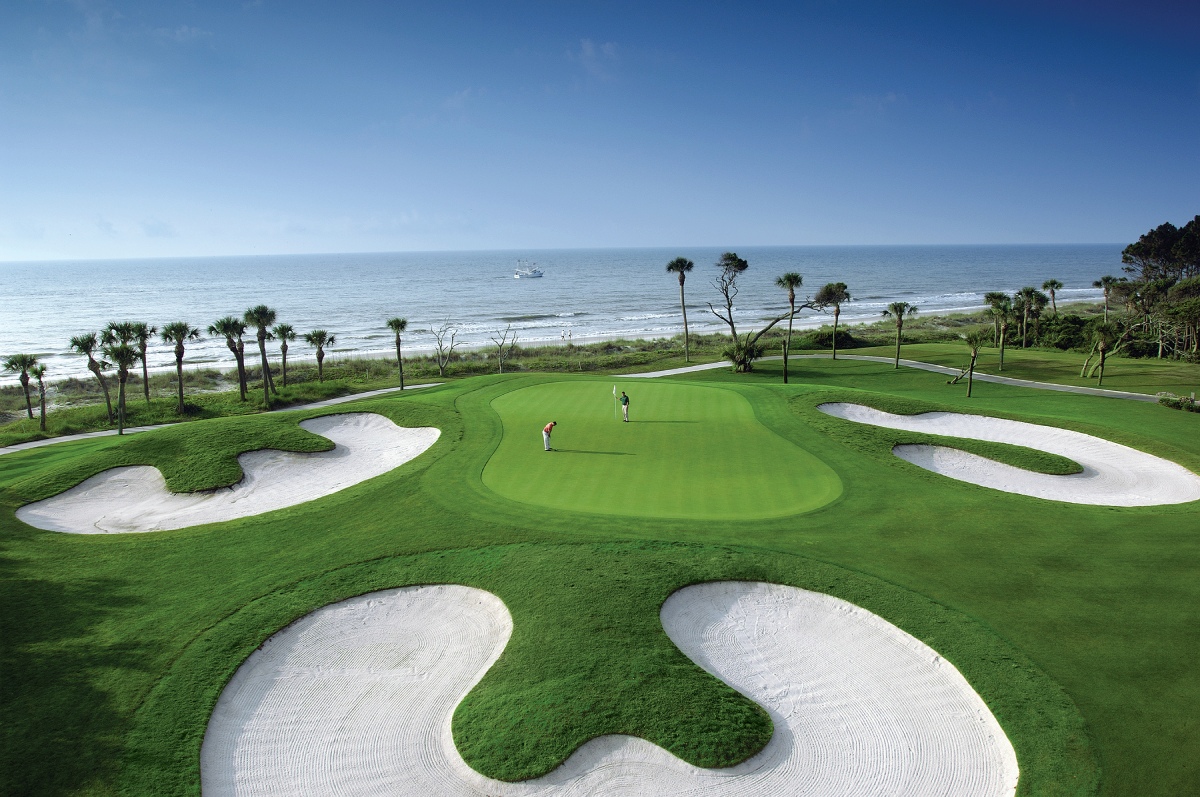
459, 99
157, 228
183, 33
598, 60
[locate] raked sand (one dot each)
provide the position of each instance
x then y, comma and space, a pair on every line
357, 698
136, 499
1113, 474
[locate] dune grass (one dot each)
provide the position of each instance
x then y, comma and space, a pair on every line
1076, 624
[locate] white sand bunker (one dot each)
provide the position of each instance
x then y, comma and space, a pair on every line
136, 498
1113, 474
357, 697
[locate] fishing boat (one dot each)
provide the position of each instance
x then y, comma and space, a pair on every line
527, 270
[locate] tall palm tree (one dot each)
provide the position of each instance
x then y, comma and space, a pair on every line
319, 339
899, 311
22, 364
833, 293
1027, 296
994, 299
1106, 283
178, 333
142, 333
261, 318
398, 325
284, 333
1052, 286
1002, 313
1036, 307
975, 340
789, 282
87, 345
122, 354
681, 266
232, 330
38, 372
1105, 336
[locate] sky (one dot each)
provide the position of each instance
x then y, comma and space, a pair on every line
155, 129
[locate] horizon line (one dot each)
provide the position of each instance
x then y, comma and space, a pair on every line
541, 249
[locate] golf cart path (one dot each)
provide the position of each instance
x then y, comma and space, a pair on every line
357, 698
939, 369
316, 405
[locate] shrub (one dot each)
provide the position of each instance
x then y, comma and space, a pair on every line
1186, 403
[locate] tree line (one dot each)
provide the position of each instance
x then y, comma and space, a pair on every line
1160, 297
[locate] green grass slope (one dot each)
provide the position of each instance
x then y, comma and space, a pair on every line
688, 452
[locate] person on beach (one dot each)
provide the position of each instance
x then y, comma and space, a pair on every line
546, 430
624, 406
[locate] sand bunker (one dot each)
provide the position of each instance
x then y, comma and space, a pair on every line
357, 698
1113, 474
136, 498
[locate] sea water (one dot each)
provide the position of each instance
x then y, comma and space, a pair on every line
585, 294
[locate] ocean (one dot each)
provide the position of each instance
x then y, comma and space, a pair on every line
585, 293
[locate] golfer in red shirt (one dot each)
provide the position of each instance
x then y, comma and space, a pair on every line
546, 430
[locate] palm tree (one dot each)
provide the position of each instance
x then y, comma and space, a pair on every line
398, 325
681, 266
789, 282
899, 311
994, 299
86, 345
22, 364
39, 373
1105, 337
833, 293
123, 355
232, 330
975, 340
319, 338
141, 335
179, 332
284, 333
261, 318
1002, 312
1026, 295
1036, 307
1052, 286
1106, 283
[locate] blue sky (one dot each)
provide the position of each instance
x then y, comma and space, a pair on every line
162, 128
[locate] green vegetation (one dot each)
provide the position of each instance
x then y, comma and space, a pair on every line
1075, 623
602, 465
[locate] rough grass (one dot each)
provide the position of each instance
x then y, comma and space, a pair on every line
1076, 624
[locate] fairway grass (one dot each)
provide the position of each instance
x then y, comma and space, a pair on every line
1075, 624
688, 451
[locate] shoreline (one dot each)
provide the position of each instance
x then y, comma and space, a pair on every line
224, 366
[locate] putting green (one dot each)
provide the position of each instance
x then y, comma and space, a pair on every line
689, 451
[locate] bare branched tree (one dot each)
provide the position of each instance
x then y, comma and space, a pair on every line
444, 349
504, 345
731, 267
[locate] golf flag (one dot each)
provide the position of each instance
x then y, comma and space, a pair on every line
614, 401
